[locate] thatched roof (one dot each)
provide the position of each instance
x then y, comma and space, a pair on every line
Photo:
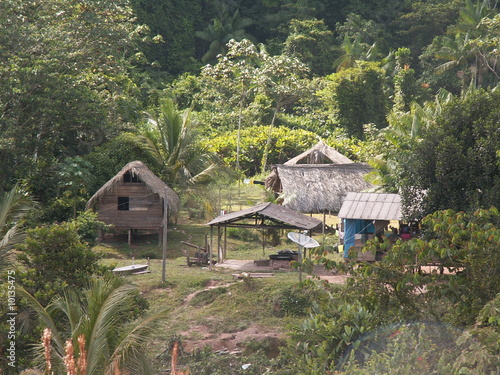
278, 216
321, 153
153, 183
311, 188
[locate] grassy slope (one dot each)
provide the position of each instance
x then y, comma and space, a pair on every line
233, 307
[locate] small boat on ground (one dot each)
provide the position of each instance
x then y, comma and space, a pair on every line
132, 269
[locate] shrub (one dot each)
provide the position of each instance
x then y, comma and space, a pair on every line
55, 257
87, 226
243, 234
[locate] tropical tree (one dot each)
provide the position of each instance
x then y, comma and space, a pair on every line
14, 205
65, 86
353, 51
455, 165
233, 80
472, 49
100, 326
224, 28
54, 258
355, 97
425, 21
75, 179
172, 138
311, 42
282, 79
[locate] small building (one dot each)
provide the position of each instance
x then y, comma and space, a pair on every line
262, 216
320, 153
365, 216
134, 200
317, 180
317, 188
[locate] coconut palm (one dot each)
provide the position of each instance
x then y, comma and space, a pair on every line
405, 128
354, 51
224, 28
97, 316
172, 137
14, 205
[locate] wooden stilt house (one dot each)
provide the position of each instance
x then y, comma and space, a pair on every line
134, 200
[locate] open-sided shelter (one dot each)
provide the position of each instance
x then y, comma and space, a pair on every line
366, 215
262, 216
134, 199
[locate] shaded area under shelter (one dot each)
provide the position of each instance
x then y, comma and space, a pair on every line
262, 216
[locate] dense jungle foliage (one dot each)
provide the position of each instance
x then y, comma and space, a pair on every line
84, 84
211, 91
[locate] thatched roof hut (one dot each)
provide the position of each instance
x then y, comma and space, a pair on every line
317, 188
138, 171
321, 153
134, 200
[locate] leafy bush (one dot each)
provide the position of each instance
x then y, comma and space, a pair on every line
243, 234
319, 342
285, 144
87, 226
55, 257
405, 349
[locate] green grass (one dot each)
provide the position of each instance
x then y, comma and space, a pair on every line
217, 302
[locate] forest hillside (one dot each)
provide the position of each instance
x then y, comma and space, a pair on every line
209, 94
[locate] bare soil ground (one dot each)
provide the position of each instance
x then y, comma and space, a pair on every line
233, 343
200, 337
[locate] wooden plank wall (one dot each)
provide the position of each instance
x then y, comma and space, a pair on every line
145, 208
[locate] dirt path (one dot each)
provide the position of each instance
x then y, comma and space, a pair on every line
199, 336
249, 266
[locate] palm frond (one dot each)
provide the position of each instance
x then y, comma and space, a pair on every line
131, 349
14, 205
106, 302
47, 321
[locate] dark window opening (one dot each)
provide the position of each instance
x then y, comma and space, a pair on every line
130, 177
123, 203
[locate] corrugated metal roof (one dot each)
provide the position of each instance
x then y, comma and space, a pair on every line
371, 206
270, 211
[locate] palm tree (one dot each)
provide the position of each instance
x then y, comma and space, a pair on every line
172, 137
471, 15
97, 316
224, 28
14, 205
353, 52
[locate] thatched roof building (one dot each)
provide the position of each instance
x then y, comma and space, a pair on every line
321, 153
134, 199
138, 170
317, 188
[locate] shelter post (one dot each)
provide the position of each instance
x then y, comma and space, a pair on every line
164, 237
219, 254
225, 243
210, 248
